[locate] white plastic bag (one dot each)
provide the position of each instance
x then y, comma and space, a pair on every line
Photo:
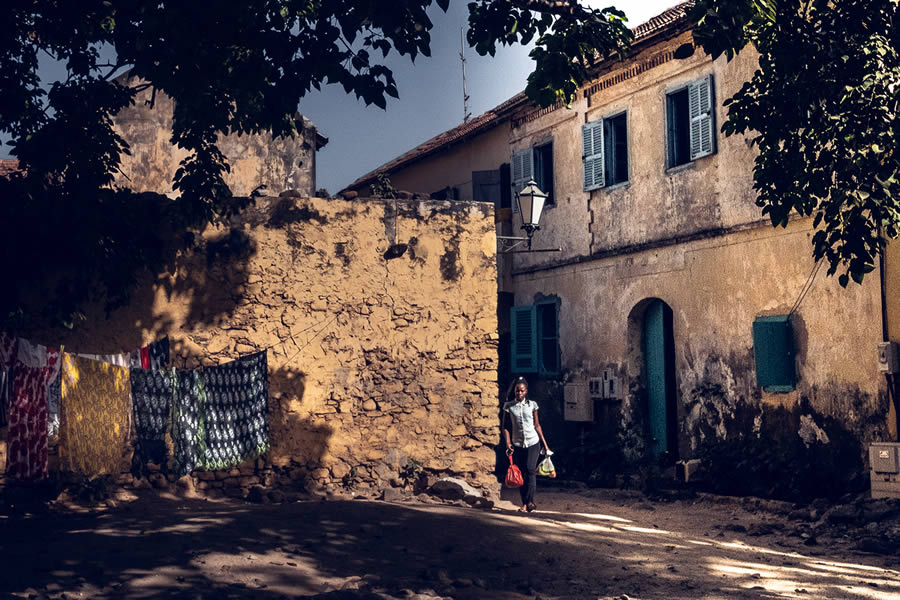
546, 468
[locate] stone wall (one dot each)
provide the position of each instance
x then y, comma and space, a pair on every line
255, 160
380, 319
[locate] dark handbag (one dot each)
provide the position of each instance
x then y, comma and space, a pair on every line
514, 477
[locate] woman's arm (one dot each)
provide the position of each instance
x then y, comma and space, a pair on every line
540, 432
505, 429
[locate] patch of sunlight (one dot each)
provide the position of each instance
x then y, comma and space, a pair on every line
635, 529
701, 543
783, 579
849, 568
587, 516
588, 527
749, 570
868, 592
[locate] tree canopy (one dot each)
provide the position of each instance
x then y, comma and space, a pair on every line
231, 67
822, 109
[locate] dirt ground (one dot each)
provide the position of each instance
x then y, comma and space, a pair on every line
581, 543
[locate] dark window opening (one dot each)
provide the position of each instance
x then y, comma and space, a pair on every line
615, 136
679, 136
543, 170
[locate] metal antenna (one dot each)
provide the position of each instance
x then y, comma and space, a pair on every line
462, 57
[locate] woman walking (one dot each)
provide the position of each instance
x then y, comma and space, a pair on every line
524, 437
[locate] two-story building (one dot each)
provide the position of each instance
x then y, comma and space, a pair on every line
675, 315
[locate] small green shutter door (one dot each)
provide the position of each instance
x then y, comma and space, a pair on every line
523, 323
773, 349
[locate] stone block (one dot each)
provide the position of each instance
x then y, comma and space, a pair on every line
391, 495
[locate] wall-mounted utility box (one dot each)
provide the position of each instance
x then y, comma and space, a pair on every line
884, 461
605, 387
888, 357
577, 403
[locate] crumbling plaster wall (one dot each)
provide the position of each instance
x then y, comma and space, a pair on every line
715, 288
374, 361
278, 163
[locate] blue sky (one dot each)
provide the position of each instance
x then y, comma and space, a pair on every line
431, 99
362, 138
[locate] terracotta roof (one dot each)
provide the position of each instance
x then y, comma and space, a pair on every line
8, 166
490, 118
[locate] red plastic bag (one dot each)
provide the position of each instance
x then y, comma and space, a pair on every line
514, 477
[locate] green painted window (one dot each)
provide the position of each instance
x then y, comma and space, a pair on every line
773, 349
535, 338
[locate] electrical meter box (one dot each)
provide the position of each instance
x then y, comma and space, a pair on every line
884, 461
578, 404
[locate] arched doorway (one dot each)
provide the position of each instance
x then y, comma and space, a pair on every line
658, 349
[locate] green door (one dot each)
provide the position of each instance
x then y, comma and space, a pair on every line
658, 347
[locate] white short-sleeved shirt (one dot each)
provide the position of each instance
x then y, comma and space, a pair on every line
522, 416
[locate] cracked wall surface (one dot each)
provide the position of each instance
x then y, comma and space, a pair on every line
375, 360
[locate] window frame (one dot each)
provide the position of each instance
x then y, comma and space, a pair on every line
699, 123
524, 163
595, 152
527, 339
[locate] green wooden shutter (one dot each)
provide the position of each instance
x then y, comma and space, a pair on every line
522, 164
700, 94
524, 339
548, 338
592, 155
773, 349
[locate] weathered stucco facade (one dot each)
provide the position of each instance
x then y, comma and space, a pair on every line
279, 164
378, 359
684, 237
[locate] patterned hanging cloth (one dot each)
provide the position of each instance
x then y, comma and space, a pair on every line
94, 415
158, 353
151, 393
188, 426
237, 423
7, 355
34, 368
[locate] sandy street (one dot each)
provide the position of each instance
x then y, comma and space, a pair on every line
586, 544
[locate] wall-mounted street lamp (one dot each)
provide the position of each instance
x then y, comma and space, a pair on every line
531, 204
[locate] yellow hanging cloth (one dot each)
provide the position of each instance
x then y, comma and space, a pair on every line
94, 415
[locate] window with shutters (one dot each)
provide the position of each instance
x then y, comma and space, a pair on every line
605, 152
690, 126
532, 163
535, 338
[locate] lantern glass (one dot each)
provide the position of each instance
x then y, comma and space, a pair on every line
531, 203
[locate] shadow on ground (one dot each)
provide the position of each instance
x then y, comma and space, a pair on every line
177, 548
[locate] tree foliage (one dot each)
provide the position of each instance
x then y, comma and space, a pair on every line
822, 109
231, 67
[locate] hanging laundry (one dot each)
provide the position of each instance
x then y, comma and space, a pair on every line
54, 391
33, 369
122, 359
158, 352
94, 415
134, 359
7, 355
151, 392
237, 426
188, 425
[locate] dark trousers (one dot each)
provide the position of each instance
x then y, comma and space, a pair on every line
527, 460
